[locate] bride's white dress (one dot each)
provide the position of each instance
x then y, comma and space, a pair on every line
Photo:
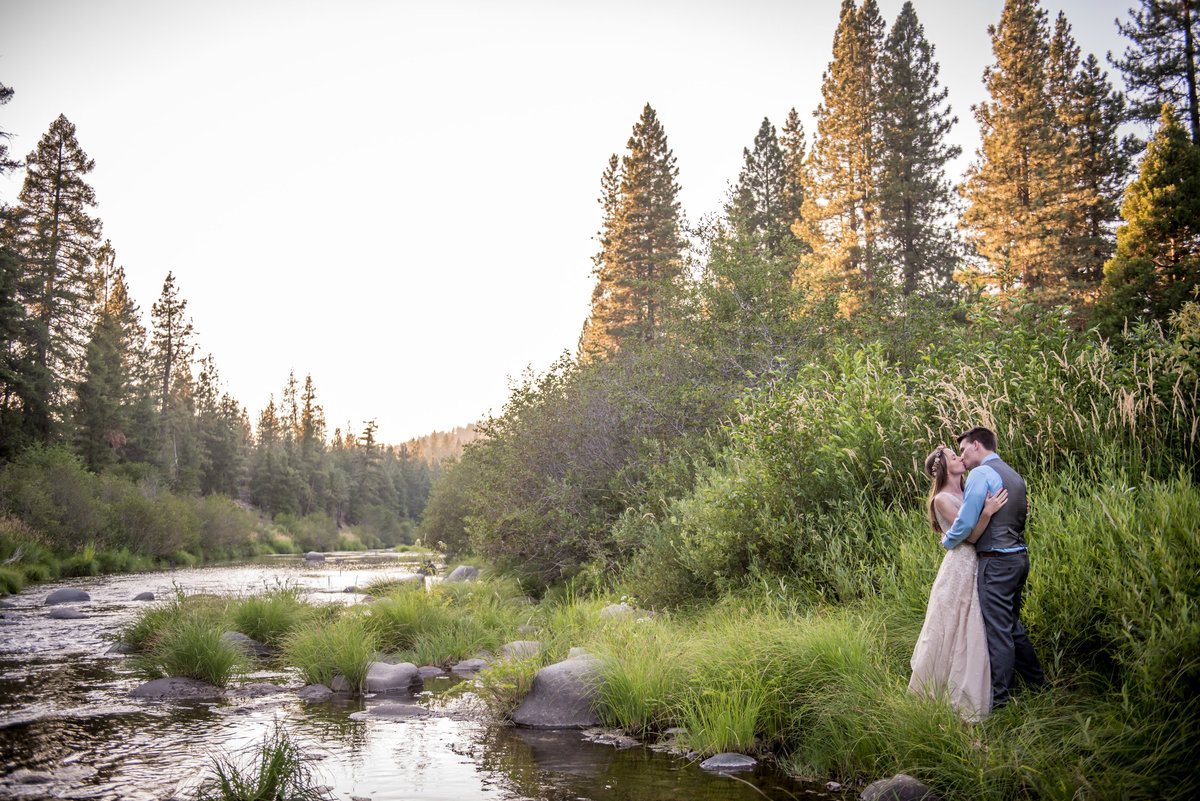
951, 657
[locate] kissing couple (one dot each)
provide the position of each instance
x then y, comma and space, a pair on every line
972, 645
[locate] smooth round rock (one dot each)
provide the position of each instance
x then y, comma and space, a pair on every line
404, 677
175, 688
430, 671
463, 573
468, 667
563, 696
7, 605
391, 712
144, 596
67, 597
900, 787
66, 613
728, 763
314, 692
313, 556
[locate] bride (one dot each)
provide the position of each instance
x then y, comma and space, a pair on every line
951, 657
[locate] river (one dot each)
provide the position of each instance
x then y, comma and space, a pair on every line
68, 728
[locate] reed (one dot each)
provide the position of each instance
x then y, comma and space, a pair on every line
324, 649
275, 770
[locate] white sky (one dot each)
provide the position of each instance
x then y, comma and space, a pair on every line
400, 197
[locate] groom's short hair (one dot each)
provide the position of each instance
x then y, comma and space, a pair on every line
983, 436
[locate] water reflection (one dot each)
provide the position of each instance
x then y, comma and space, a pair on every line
65, 711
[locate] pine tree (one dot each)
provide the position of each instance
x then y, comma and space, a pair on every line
172, 347
641, 244
840, 212
1016, 184
915, 197
106, 396
6, 163
1157, 264
1160, 64
795, 177
56, 240
20, 406
1088, 113
757, 211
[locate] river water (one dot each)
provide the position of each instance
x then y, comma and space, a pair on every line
68, 728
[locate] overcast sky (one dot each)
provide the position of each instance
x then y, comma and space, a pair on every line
399, 198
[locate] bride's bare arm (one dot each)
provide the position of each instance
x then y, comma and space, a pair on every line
990, 506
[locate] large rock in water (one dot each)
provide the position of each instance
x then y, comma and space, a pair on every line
562, 697
66, 613
404, 677
313, 556
900, 787
176, 688
247, 645
728, 763
67, 597
463, 573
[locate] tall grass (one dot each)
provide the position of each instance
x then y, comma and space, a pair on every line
344, 645
270, 617
273, 771
193, 649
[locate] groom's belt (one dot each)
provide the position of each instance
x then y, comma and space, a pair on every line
1001, 553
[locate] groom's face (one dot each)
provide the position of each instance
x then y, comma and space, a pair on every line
970, 452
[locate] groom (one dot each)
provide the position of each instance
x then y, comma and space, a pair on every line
1003, 560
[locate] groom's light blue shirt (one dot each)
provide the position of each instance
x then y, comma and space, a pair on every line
981, 482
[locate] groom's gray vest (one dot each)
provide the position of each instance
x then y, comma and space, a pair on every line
1006, 529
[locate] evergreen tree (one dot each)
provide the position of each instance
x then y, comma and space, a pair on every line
19, 404
171, 341
1088, 113
915, 197
641, 244
106, 396
6, 163
1157, 263
222, 439
56, 240
757, 210
840, 211
795, 176
1160, 63
1015, 187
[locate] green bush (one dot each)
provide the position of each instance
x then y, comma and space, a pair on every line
12, 581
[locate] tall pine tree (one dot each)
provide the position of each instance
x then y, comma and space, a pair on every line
757, 210
1161, 61
915, 197
173, 349
1014, 188
55, 239
840, 212
641, 243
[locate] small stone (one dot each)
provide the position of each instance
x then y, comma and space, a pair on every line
314, 692
313, 556
833, 787
431, 671
66, 613
172, 688
578, 653
728, 763
463, 573
468, 667
900, 787
144, 596
391, 711
120, 647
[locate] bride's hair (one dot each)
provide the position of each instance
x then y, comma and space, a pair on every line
937, 469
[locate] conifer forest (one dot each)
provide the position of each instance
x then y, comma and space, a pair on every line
745, 416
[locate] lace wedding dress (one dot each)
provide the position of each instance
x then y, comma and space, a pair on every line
951, 657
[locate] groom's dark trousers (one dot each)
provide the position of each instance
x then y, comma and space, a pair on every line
1001, 581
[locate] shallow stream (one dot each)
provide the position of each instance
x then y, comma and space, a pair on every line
69, 730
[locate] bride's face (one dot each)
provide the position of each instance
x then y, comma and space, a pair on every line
954, 463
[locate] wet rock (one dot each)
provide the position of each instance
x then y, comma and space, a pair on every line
66, 613
614, 737
728, 763
175, 688
900, 787
314, 692
404, 677
392, 712
67, 597
468, 667
463, 573
313, 556
144, 596
256, 690
562, 697
26, 776
120, 647
7, 605
247, 645
431, 671
520, 649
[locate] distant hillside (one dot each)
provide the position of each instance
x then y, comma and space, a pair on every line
441, 446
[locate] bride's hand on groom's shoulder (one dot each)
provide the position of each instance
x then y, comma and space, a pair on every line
993, 503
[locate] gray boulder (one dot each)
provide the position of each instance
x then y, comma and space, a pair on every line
120, 647
520, 649
7, 605
66, 613
562, 697
314, 692
246, 645
431, 671
313, 556
404, 677
900, 787
175, 688
144, 596
468, 667
463, 573
728, 763
577, 653
625, 612
256, 690
67, 597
